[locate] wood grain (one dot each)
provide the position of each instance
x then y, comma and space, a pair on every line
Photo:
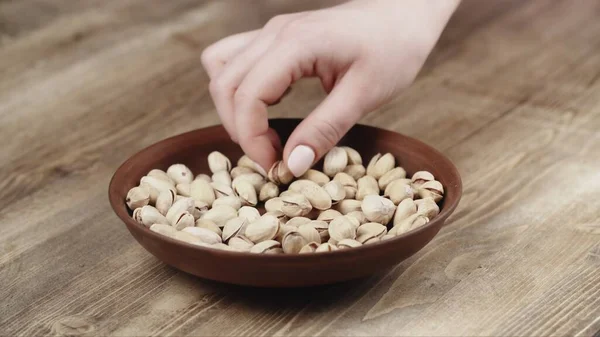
511, 94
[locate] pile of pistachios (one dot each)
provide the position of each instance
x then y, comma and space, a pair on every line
344, 206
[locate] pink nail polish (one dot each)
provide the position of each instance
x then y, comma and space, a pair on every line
300, 160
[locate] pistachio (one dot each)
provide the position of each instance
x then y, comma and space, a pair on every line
292, 242
310, 233
188, 238
355, 171
421, 177
369, 231
155, 186
222, 246
431, 189
341, 228
395, 173
326, 247
137, 197
210, 225
348, 205
359, 216
283, 230
275, 204
383, 165
268, 191
406, 208
317, 176
367, 185
162, 175
247, 193
275, 250
316, 195
279, 174
322, 228
265, 246
350, 185
166, 230
332, 241
279, 215
355, 223
204, 177
233, 227
220, 214
205, 235
387, 237
231, 200
239, 170
372, 163
371, 240
253, 178
335, 161
183, 189
240, 243
263, 229
309, 248
412, 222
180, 173
335, 190
218, 162
313, 214
427, 207
245, 161
249, 213
199, 209
184, 220
297, 221
180, 206
354, 157
202, 191
328, 215
295, 204
399, 190
222, 177
222, 190
378, 209
348, 243
298, 185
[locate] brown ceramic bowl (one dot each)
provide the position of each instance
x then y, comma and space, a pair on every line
192, 149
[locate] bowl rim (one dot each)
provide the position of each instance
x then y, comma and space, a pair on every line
445, 212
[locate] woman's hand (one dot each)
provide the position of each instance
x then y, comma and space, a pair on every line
364, 52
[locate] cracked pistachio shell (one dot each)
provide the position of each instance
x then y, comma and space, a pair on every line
322, 228
399, 190
421, 177
394, 174
268, 191
372, 162
239, 170
218, 162
387, 237
345, 179
155, 186
414, 221
246, 192
249, 213
354, 157
335, 161
220, 214
137, 197
210, 225
381, 166
348, 205
309, 248
297, 221
378, 209
166, 230
263, 229
205, 235
204, 177
335, 190
328, 215
292, 242
240, 243
350, 192
367, 185
355, 171
222, 177
265, 246
234, 227
245, 161
279, 215
180, 174
184, 220
274, 205
372, 240
274, 251
342, 228
162, 175
369, 231
317, 176
406, 208
313, 214
359, 216
279, 174
222, 190
295, 204
231, 200
316, 195
183, 189
310, 233
180, 206
431, 189
199, 209
427, 207
254, 178
202, 191
348, 243
326, 247
283, 230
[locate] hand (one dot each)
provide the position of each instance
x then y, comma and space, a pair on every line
364, 52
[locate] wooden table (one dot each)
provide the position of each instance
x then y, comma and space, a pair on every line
511, 95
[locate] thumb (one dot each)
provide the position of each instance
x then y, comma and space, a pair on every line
327, 124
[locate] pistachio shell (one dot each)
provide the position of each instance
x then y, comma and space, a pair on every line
283, 230
325, 247
180, 206
370, 230
263, 229
350, 192
279, 215
297, 221
222, 177
218, 162
166, 230
222, 246
309, 248
309, 233
421, 177
381, 166
273, 205
329, 215
348, 243
367, 185
240, 243
264, 246
202, 191
427, 207
341, 228
254, 178
205, 235
335, 190
348, 205
354, 157
313, 214
210, 225
231, 200
268, 191
345, 179
279, 174
137, 197
378, 209
317, 176
359, 216
220, 214
295, 204
222, 190
162, 175
239, 170
371, 240
275, 250
183, 189
355, 171
180, 173
298, 185
332, 241
322, 228
335, 161
247, 193
292, 242
431, 189
414, 221
406, 208
372, 163
316, 195
233, 227
399, 190
249, 213
199, 209
188, 238
204, 177
354, 221
184, 220
387, 237
245, 161
155, 186
386, 179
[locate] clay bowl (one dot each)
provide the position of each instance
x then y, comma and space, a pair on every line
262, 270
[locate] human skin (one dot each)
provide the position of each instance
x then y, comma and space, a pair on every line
365, 52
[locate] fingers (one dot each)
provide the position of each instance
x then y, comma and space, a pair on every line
223, 51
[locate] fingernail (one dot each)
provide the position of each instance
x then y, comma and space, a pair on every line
300, 160
260, 170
